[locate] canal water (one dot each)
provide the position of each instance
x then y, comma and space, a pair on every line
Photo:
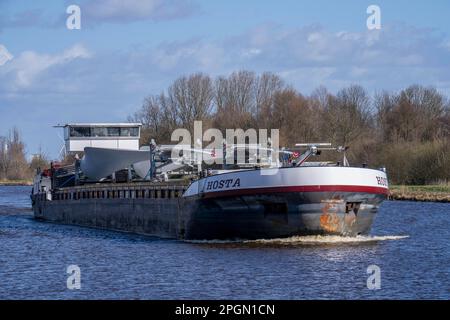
409, 246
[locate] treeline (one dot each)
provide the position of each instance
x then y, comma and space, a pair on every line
406, 131
13, 163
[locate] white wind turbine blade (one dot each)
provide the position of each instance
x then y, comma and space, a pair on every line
98, 163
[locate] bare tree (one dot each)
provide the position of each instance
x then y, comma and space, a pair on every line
296, 117
347, 115
235, 100
192, 98
414, 114
268, 85
39, 161
150, 115
4, 163
14, 163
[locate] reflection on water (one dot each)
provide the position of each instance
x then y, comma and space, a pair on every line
409, 244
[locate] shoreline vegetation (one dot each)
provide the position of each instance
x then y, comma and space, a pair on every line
426, 193
423, 193
13, 183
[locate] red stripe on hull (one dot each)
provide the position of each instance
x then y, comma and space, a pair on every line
336, 188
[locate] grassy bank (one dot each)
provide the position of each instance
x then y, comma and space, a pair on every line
436, 193
16, 182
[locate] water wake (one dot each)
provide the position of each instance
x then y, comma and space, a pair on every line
305, 240
326, 239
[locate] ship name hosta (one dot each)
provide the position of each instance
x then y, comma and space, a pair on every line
223, 184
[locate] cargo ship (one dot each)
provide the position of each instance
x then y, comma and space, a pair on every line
147, 192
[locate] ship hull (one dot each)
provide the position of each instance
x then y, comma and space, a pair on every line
238, 211
283, 215
263, 216
154, 217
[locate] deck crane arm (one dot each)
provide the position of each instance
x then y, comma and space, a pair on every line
315, 149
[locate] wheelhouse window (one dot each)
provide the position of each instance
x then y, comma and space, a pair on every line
99, 131
104, 131
129, 132
113, 132
134, 131
80, 131
125, 132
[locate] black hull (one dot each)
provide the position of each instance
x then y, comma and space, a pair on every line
283, 215
263, 216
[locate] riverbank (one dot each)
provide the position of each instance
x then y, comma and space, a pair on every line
432, 193
16, 183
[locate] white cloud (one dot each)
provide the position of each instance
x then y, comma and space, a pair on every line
29, 65
95, 12
121, 11
307, 57
357, 72
250, 53
185, 56
391, 58
446, 45
315, 37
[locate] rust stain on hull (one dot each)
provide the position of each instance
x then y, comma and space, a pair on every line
329, 221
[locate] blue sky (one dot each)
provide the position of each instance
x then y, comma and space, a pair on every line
127, 50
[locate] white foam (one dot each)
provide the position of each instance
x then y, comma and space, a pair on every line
326, 239
299, 240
